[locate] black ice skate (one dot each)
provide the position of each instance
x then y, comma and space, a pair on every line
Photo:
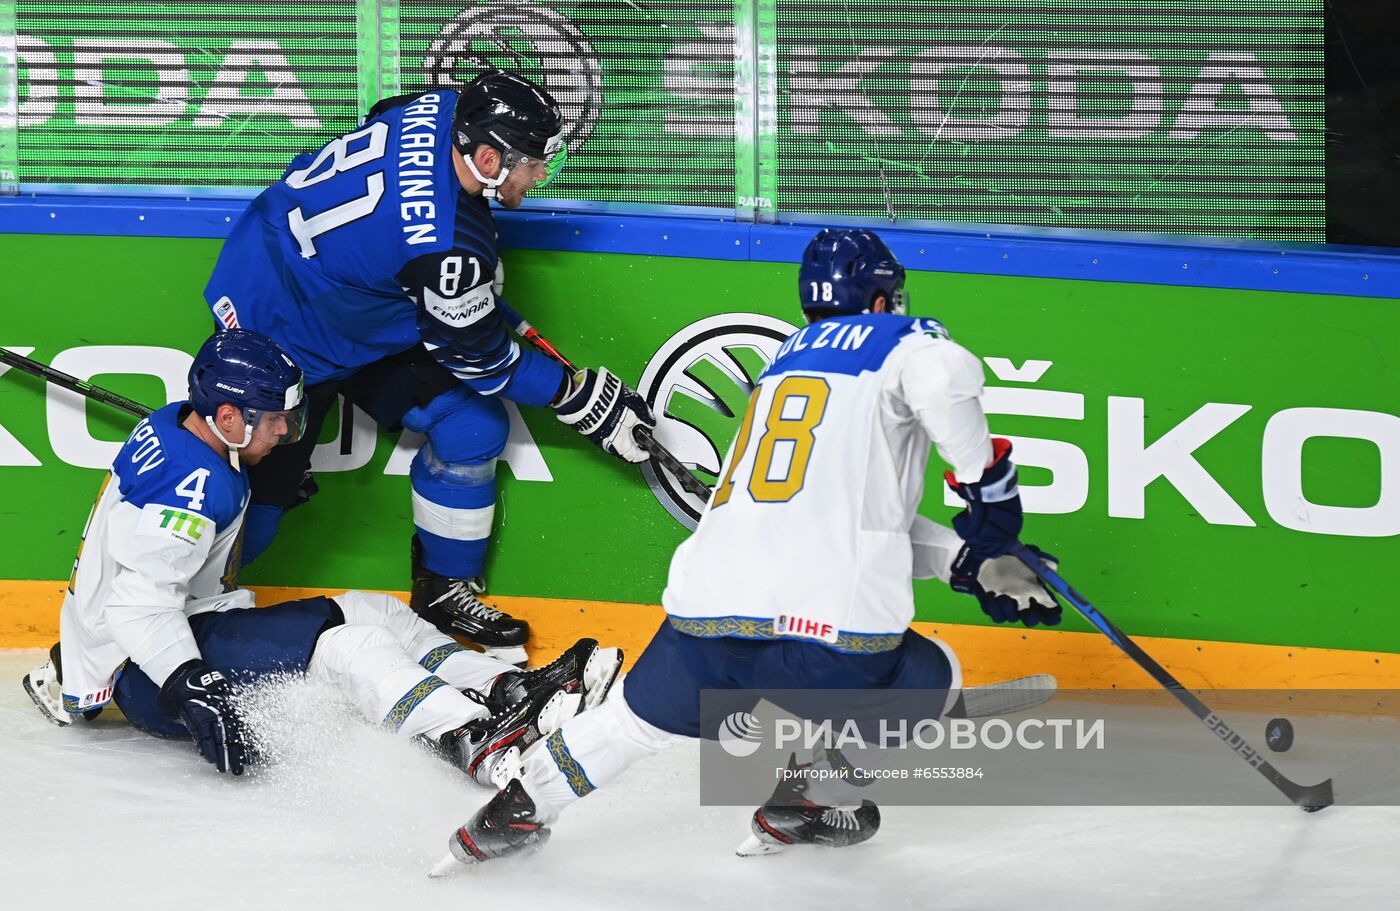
452, 606
506, 825
789, 818
584, 669
479, 747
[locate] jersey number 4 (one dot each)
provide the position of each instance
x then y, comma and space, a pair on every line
336, 158
789, 434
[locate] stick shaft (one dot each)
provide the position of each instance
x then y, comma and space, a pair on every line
82, 387
659, 453
1309, 797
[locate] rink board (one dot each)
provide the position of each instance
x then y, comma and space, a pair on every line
1257, 531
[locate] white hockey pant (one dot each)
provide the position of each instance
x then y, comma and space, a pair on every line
399, 670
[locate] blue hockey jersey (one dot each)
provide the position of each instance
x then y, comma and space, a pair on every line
370, 245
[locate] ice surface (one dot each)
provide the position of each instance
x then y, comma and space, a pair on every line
346, 817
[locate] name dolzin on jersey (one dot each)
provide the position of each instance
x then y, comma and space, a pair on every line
417, 141
833, 334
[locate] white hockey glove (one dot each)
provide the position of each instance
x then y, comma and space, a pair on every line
607, 411
1008, 590
498, 284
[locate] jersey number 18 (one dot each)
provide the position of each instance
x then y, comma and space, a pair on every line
789, 434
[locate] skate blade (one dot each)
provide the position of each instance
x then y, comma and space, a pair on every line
448, 864
599, 675
551, 717
510, 654
753, 847
52, 712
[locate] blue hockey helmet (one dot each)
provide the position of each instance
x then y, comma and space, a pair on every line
844, 270
252, 373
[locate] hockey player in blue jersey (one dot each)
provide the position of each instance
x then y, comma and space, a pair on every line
373, 262
154, 620
799, 575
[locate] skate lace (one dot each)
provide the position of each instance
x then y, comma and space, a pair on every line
460, 595
840, 818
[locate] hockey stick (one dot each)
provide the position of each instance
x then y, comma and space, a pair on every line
660, 454
58, 377
1310, 797
1005, 697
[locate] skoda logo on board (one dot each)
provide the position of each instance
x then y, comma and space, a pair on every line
530, 39
697, 384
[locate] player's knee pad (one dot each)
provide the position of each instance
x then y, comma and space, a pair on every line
463, 427
926, 663
370, 608
340, 648
413, 633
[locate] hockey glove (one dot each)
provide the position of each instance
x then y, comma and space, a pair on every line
606, 410
203, 702
1009, 591
992, 520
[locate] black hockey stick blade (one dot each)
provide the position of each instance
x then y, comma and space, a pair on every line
663, 457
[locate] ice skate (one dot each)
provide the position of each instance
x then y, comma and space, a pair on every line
477, 746
452, 606
789, 818
506, 825
44, 685
584, 670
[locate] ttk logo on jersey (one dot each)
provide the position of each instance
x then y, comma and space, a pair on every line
568, 66
698, 384
178, 521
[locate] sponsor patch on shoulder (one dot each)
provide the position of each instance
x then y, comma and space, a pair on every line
225, 313
162, 521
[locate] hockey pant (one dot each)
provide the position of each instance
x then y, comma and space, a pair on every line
659, 701
453, 476
397, 669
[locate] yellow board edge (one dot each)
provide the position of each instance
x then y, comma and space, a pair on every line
29, 619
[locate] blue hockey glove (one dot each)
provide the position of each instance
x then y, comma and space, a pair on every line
1009, 592
606, 410
203, 702
992, 520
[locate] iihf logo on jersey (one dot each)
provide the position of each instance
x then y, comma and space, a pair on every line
698, 384
740, 734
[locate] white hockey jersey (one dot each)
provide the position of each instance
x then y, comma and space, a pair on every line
160, 545
811, 531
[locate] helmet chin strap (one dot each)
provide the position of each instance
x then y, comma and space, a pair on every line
232, 447
489, 186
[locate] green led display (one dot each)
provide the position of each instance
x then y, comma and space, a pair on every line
1177, 116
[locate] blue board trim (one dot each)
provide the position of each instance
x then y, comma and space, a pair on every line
709, 234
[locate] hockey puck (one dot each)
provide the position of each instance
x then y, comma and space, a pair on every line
1279, 735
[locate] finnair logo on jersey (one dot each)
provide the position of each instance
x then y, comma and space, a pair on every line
460, 311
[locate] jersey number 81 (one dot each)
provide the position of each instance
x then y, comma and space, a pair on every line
789, 433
